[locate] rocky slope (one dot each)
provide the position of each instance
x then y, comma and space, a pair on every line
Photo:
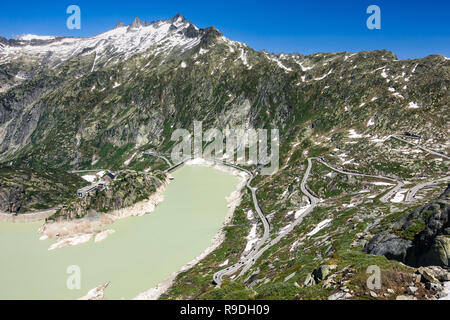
128, 188
101, 102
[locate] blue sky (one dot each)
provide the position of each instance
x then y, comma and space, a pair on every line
411, 29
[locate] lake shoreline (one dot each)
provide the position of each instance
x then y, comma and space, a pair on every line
233, 200
76, 232
26, 217
91, 228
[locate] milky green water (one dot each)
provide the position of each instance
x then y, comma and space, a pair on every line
143, 251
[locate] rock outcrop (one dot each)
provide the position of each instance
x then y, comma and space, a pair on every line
127, 189
11, 199
27, 190
96, 293
421, 238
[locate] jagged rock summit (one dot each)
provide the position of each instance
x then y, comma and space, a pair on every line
137, 23
119, 25
114, 45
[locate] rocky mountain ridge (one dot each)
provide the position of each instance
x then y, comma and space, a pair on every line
339, 88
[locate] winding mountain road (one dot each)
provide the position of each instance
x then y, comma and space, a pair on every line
251, 256
87, 171
385, 197
410, 196
248, 261
396, 137
158, 155
313, 202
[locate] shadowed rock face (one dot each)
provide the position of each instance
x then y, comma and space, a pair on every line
26, 190
389, 245
10, 199
430, 245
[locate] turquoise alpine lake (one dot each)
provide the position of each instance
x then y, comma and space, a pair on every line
140, 254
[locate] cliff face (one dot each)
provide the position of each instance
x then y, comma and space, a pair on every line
11, 198
26, 190
420, 238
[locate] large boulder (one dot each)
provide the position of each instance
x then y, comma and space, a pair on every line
389, 245
309, 281
323, 272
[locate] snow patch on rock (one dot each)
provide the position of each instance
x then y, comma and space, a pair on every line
353, 135
413, 105
89, 178
225, 263
319, 227
399, 196
251, 238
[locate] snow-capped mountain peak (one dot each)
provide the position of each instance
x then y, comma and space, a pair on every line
31, 37
163, 36
119, 25
137, 23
